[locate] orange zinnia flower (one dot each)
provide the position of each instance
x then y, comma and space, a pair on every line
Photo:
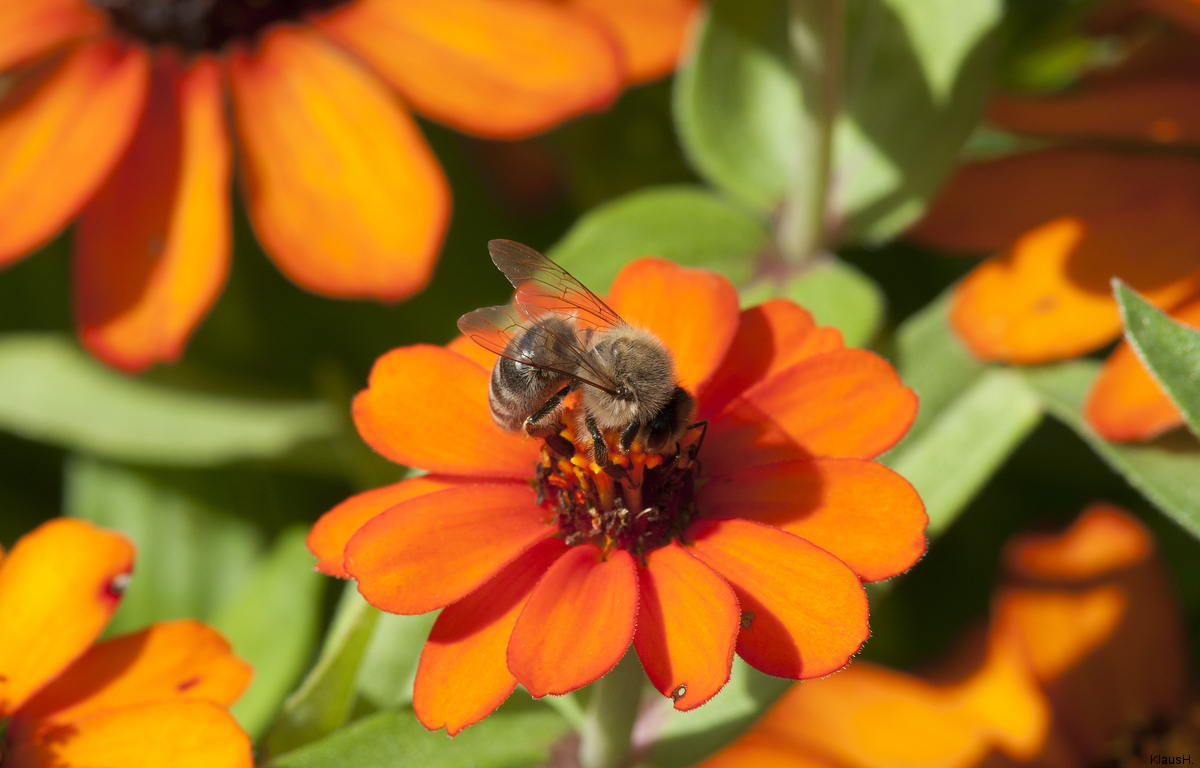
154, 697
1083, 665
547, 568
114, 110
1063, 221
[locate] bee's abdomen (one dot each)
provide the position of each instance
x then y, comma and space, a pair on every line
517, 390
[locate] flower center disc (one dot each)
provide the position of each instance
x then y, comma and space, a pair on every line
196, 25
640, 502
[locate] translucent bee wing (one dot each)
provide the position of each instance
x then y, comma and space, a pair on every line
542, 283
495, 328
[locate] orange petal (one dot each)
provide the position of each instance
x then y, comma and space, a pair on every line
859, 511
988, 205
770, 337
431, 550
427, 407
499, 68
872, 716
578, 622
152, 248
651, 32
688, 620
1049, 296
1165, 111
806, 611
32, 27
170, 660
463, 674
468, 348
59, 587
759, 750
697, 322
846, 403
1098, 623
61, 132
1104, 538
181, 734
1125, 401
329, 535
342, 190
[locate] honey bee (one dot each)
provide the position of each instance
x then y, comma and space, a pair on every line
558, 337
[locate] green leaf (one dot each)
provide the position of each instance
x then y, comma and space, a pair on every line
737, 103
272, 623
836, 293
686, 738
511, 738
1169, 350
1165, 470
933, 362
323, 701
386, 675
688, 225
191, 557
917, 76
967, 442
51, 391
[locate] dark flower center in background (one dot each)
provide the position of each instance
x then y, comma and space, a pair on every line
1162, 738
196, 25
639, 503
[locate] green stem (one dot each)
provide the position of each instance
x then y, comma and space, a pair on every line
605, 739
816, 30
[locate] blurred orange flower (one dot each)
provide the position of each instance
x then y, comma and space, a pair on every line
1117, 195
114, 111
548, 568
1083, 665
154, 697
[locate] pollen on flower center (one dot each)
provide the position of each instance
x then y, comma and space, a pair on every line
204, 24
639, 503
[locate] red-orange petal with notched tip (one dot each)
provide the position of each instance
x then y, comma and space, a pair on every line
431, 550
846, 403
342, 190
1049, 296
859, 511
181, 734
61, 132
770, 337
687, 627
32, 27
463, 674
693, 311
498, 68
59, 587
578, 622
330, 534
1163, 110
651, 32
170, 660
1125, 401
1103, 539
988, 205
804, 612
427, 407
152, 248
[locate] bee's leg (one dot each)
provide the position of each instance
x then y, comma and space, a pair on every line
703, 425
537, 425
628, 436
599, 447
